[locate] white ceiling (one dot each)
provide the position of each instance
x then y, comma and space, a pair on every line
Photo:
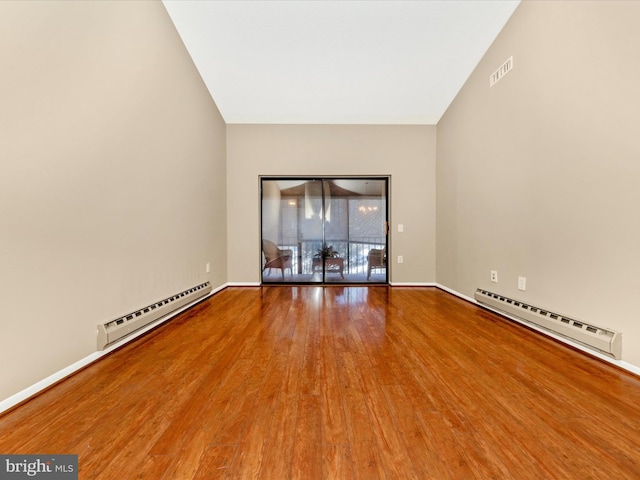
337, 62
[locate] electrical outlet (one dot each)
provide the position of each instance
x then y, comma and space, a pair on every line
400, 259
207, 267
522, 283
494, 276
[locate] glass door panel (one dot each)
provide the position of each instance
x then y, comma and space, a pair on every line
324, 230
336, 233
311, 233
368, 223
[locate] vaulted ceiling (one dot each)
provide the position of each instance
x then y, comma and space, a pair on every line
337, 62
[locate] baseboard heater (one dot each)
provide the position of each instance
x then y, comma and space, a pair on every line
601, 339
114, 330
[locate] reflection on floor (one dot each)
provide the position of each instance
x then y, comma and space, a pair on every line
275, 276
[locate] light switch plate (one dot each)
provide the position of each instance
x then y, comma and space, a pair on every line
522, 283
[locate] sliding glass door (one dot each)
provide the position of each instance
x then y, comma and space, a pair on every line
324, 230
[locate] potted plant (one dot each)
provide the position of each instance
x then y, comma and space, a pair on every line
326, 252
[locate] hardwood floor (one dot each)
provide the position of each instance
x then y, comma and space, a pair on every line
339, 383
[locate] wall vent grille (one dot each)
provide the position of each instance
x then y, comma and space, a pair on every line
502, 70
600, 339
114, 330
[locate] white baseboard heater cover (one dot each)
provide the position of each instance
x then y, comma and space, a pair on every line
603, 340
116, 329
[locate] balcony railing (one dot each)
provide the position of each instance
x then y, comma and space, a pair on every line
353, 252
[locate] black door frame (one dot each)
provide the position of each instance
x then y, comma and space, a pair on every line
323, 179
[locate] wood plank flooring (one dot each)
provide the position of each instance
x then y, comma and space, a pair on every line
339, 383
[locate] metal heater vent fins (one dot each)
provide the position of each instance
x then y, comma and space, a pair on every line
601, 339
116, 329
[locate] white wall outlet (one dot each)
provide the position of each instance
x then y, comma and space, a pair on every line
400, 227
522, 283
494, 276
207, 267
400, 259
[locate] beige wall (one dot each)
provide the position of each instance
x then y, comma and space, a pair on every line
538, 176
112, 176
407, 153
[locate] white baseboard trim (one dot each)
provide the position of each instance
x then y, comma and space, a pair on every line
457, 294
629, 367
413, 284
45, 383
34, 389
243, 284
